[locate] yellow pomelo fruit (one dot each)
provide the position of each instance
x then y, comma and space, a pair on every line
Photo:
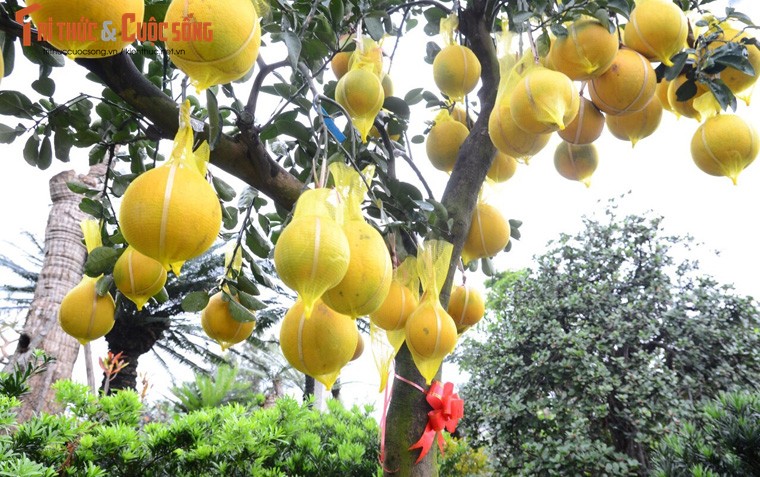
657, 29
576, 162
456, 71
394, 311
443, 143
138, 276
430, 331
84, 314
219, 324
459, 114
735, 79
359, 347
724, 145
170, 213
544, 101
87, 44
627, 86
311, 256
466, 307
321, 344
661, 92
488, 234
368, 278
685, 108
502, 168
339, 63
509, 138
232, 51
585, 52
635, 126
360, 92
387, 83
587, 125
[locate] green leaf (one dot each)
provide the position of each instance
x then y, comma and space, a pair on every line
246, 284
240, 313
679, 61
79, 188
101, 260
687, 90
293, 129
293, 44
224, 190
336, 13
194, 301
103, 285
247, 197
44, 86
229, 217
31, 150
45, 158
258, 244
7, 134
397, 106
413, 96
63, 141
92, 207
431, 51
214, 119
722, 93
374, 24
13, 103
250, 302
9, 55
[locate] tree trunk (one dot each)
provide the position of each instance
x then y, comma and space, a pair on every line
407, 414
133, 335
61, 271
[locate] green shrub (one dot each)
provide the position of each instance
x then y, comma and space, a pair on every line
110, 436
724, 441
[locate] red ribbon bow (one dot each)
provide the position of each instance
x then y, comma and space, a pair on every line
448, 408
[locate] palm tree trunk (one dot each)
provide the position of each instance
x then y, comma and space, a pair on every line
61, 270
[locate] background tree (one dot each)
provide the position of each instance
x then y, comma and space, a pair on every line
613, 339
276, 149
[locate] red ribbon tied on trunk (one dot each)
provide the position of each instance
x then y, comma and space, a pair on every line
448, 408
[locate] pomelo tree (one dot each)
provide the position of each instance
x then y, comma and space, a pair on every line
506, 75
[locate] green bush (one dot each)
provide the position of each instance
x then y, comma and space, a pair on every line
724, 441
110, 436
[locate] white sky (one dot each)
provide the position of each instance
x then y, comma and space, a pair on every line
658, 172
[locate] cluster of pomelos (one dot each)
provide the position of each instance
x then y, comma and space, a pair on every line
167, 215
540, 96
340, 267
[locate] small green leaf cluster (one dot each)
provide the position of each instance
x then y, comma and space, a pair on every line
723, 439
110, 435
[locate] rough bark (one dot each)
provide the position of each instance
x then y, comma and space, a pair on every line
61, 270
407, 414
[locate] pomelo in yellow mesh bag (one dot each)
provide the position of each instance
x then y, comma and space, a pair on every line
84, 314
657, 29
431, 333
636, 126
627, 86
360, 92
171, 213
444, 140
488, 234
466, 306
87, 44
138, 277
216, 41
576, 162
319, 345
219, 324
724, 145
402, 298
312, 254
456, 69
370, 270
544, 101
587, 125
585, 52
502, 168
